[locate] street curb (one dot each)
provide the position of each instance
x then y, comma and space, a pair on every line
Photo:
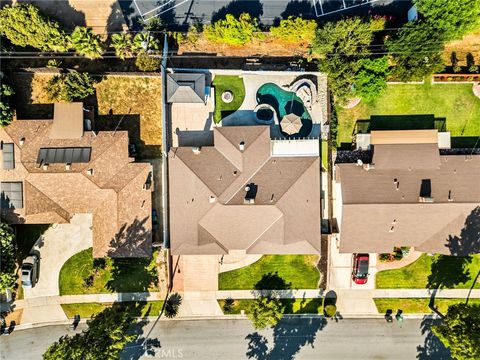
232, 317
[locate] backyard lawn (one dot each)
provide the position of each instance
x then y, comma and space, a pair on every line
135, 309
417, 305
81, 274
290, 306
299, 271
454, 102
230, 83
415, 275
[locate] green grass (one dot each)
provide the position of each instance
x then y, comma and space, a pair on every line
325, 154
135, 309
231, 83
417, 305
119, 275
290, 306
455, 102
298, 270
415, 275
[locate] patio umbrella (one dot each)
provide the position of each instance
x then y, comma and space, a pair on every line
291, 124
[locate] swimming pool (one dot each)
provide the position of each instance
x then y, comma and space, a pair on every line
285, 102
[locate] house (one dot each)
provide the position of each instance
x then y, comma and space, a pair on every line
242, 195
412, 193
53, 169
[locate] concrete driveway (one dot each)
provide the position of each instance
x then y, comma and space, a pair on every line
56, 246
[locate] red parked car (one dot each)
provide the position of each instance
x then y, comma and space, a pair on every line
360, 268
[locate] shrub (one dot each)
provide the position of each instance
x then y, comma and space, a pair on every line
86, 42
143, 41
371, 79
6, 112
69, 87
123, 45
7, 257
232, 31
24, 25
295, 30
330, 310
265, 312
228, 305
145, 62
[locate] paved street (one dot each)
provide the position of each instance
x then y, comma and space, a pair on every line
293, 338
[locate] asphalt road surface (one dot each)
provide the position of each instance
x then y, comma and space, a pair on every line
292, 338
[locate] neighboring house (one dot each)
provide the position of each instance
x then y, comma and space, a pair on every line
247, 193
53, 169
410, 194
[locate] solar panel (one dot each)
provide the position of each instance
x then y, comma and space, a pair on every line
64, 155
11, 195
7, 156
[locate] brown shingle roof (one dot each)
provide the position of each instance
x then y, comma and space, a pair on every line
114, 194
382, 207
211, 218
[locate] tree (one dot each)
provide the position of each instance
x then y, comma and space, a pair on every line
416, 51
460, 331
6, 112
69, 87
371, 79
123, 45
265, 311
232, 31
341, 75
24, 25
349, 37
145, 62
172, 305
7, 257
143, 41
453, 18
103, 340
86, 42
295, 30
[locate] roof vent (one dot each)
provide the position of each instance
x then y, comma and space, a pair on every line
45, 167
359, 162
22, 141
450, 198
241, 146
68, 166
90, 172
196, 150
212, 199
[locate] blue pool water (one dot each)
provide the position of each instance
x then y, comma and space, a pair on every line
285, 102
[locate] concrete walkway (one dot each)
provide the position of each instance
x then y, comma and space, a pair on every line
237, 261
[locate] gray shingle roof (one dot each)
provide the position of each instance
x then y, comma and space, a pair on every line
185, 88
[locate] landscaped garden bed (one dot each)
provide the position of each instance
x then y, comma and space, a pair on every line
82, 274
233, 85
416, 275
454, 102
290, 306
417, 305
299, 271
442, 78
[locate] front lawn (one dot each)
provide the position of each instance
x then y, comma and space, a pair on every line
235, 85
135, 309
454, 102
81, 274
415, 275
290, 306
417, 305
299, 271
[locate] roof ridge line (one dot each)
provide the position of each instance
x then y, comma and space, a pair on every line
268, 228
317, 158
213, 237
53, 201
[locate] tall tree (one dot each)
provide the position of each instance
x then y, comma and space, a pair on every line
460, 331
6, 112
24, 25
7, 257
232, 31
416, 50
86, 42
295, 30
370, 80
454, 18
69, 87
105, 337
265, 311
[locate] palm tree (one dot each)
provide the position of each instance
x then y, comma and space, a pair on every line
143, 41
122, 43
86, 42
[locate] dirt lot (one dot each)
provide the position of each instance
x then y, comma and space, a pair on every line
267, 47
469, 44
132, 103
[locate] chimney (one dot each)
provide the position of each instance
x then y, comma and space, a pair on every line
241, 146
